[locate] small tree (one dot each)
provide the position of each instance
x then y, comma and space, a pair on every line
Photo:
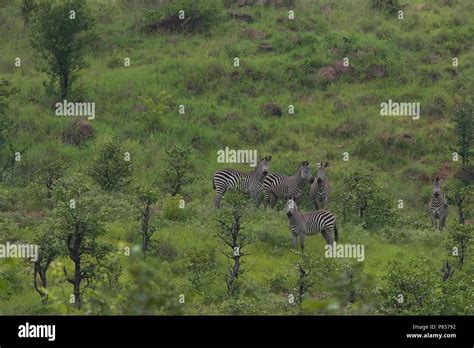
460, 195
146, 199
304, 282
26, 8
409, 288
363, 196
49, 249
229, 221
58, 34
6, 128
177, 169
50, 169
464, 128
112, 168
78, 220
156, 108
458, 242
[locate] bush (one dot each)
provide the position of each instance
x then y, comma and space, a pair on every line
389, 6
173, 208
410, 287
201, 265
111, 170
361, 196
155, 109
199, 15
458, 241
177, 169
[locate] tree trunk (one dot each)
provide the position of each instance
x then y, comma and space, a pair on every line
461, 215
77, 284
64, 85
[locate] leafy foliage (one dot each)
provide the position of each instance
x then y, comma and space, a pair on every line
178, 169
111, 169
464, 127
60, 39
362, 196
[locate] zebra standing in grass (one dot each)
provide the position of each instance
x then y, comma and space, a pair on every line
310, 223
250, 182
320, 189
278, 186
438, 205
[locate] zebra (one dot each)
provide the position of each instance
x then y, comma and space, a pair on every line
320, 189
250, 182
438, 206
278, 186
310, 223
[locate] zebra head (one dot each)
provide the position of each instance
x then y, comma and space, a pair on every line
437, 187
304, 172
264, 166
321, 176
290, 207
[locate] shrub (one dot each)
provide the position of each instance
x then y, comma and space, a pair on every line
177, 169
111, 170
198, 15
459, 239
155, 109
410, 287
173, 208
361, 196
389, 6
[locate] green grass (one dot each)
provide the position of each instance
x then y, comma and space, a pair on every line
224, 108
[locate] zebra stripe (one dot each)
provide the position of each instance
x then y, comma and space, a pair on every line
320, 189
250, 182
438, 206
279, 186
310, 223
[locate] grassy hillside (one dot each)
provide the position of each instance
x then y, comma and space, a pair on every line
281, 63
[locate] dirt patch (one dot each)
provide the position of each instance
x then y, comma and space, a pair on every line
327, 73
272, 110
254, 34
376, 71
78, 132
244, 17
416, 174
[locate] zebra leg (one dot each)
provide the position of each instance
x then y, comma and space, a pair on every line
442, 222
266, 199
433, 220
273, 200
254, 197
217, 200
293, 240
302, 242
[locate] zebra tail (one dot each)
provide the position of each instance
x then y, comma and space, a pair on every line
336, 233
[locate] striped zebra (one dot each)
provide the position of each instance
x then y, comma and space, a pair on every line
320, 189
250, 182
310, 223
438, 206
278, 186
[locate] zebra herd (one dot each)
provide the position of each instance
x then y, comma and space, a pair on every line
290, 189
